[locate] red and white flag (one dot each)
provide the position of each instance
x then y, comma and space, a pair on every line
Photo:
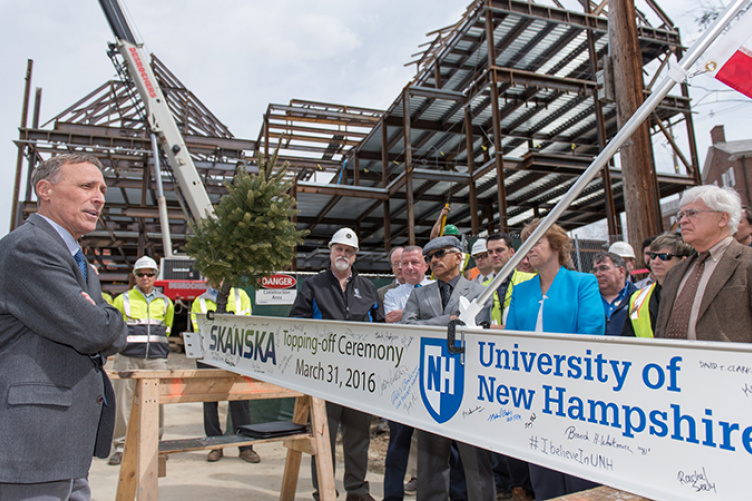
729, 59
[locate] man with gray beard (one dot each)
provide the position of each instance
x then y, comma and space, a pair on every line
339, 293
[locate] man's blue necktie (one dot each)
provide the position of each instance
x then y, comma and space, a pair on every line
81, 262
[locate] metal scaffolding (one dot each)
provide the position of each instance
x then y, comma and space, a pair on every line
507, 107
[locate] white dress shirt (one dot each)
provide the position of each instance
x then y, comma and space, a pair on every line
396, 299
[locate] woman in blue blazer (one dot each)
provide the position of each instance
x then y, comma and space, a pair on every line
556, 300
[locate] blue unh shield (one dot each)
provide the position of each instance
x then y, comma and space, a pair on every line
442, 379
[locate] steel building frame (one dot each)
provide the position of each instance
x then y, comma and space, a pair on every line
506, 109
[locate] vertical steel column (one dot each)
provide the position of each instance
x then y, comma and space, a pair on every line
612, 218
33, 154
356, 169
266, 135
294, 195
473, 192
14, 214
488, 214
384, 183
498, 153
408, 166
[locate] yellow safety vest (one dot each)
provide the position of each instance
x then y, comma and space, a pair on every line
238, 303
497, 313
149, 323
639, 311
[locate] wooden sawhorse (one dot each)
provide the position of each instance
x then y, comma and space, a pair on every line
140, 466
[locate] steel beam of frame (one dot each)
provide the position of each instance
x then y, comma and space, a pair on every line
586, 21
14, 215
473, 194
408, 167
384, 183
497, 128
612, 218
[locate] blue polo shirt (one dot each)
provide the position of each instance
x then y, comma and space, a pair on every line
614, 305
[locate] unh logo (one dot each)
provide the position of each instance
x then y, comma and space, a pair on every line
442, 379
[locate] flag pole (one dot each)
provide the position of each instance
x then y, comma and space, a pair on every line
675, 75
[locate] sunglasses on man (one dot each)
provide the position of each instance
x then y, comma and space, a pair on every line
663, 256
439, 254
144, 274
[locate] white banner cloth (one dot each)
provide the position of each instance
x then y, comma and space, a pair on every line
666, 419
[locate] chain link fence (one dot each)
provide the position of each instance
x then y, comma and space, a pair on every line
583, 249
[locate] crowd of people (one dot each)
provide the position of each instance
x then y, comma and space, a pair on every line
692, 278
57, 330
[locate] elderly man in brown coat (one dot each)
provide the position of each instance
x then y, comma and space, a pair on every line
708, 297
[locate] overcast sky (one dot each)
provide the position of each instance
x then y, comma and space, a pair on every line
237, 56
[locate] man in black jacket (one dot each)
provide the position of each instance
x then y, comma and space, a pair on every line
339, 293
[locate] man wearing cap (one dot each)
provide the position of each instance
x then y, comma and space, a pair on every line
626, 252
340, 293
57, 406
148, 314
238, 303
437, 304
479, 252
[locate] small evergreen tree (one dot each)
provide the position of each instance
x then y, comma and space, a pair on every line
252, 233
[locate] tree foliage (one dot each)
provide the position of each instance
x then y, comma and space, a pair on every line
252, 233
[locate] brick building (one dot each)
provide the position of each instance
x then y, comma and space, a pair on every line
729, 163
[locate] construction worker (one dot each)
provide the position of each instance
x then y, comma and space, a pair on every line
340, 293
238, 303
500, 251
108, 298
483, 270
148, 314
626, 252
666, 251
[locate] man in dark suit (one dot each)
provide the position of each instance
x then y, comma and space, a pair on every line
709, 296
437, 304
56, 403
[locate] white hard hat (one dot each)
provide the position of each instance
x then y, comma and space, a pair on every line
145, 262
479, 247
622, 249
344, 236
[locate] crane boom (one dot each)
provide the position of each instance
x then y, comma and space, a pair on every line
159, 117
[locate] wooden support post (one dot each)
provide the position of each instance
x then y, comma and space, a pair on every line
141, 456
638, 173
323, 450
294, 456
148, 440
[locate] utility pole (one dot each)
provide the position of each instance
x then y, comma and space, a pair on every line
638, 173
